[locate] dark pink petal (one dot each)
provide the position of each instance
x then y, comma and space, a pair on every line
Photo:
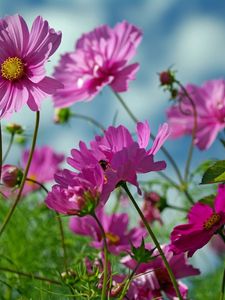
220, 199
199, 213
143, 133
185, 238
86, 226
161, 136
18, 33
122, 78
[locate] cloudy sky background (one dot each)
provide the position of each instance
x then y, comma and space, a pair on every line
186, 34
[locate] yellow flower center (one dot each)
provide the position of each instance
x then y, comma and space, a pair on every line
112, 238
208, 224
31, 182
12, 68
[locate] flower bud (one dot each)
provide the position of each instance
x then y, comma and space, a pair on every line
21, 140
11, 175
166, 78
14, 128
62, 115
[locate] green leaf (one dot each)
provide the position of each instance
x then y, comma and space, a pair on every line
141, 254
215, 173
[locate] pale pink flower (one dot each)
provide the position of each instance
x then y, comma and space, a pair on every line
120, 157
22, 58
45, 163
150, 208
116, 229
100, 58
209, 100
76, 193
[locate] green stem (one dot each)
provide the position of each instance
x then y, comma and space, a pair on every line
60, 225
177, 208
191, 149
10, 213
105, 271
222, 286
38, 183
89, 119
173, 183
9, 147
63, 242
153, 237
30, 275
128, 281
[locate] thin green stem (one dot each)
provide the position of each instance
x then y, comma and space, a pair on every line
38, 183
170, 158
89, 119
191, 148
128, 281
105, 271
60, 226
63, 242
10, 213
30, 275
153, 237
183, 209
9, 147
171, 181
132, 116
222, 286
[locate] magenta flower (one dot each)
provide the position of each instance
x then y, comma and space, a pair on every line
203, 222
11, 176
22, 58
116, 230
151, 279
100, 58
44, 164
150, 208
76, 193
120, 157
209, 100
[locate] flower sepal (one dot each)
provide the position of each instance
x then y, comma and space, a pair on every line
141, 254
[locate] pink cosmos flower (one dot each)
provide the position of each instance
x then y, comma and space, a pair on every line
209, 100
100, 58
116, 230
22, 58
120, 157
44, 164
203, 223
152, 278
76, 193
150, 208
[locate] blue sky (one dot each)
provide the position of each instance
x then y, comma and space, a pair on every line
186, 34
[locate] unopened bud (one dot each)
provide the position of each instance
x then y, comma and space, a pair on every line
11, 175
62, 115
166, 78
21, 140
14, 128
